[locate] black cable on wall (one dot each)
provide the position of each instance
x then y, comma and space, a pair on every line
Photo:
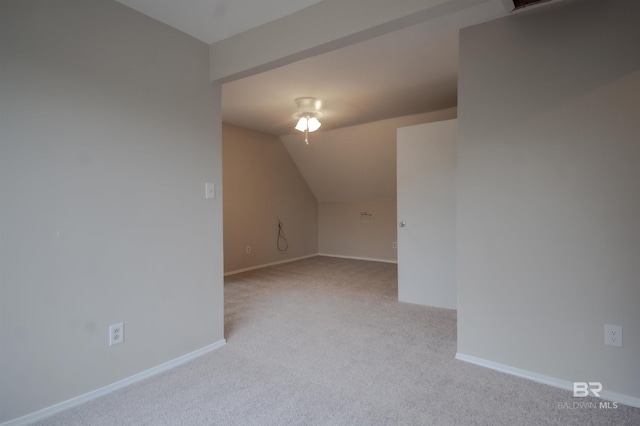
281, 242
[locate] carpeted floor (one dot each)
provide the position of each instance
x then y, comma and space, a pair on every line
323, 341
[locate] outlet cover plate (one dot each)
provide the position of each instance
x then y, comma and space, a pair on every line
116, 334
613, 335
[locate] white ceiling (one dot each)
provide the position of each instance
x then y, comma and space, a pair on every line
214, 20
385, 77
409, 71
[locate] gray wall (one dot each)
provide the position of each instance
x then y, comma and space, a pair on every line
549, 191
108, 134
261, 185
342, 233
352, 170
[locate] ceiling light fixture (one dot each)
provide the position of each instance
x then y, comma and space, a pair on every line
307, 115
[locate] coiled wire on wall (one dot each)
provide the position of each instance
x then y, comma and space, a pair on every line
281, 242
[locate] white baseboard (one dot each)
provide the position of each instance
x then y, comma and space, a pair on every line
46, 412
358, 258
264, 265
547, 380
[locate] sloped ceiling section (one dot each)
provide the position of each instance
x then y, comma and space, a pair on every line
214, 20
356, 163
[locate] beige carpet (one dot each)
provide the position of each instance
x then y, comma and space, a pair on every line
323, 341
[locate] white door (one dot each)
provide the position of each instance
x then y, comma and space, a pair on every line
427, 214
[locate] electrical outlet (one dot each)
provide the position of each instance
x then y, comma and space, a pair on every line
395, 245
248, 250
613, 335
116, 334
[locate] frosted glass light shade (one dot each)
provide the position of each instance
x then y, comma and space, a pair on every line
312, 123
302, 124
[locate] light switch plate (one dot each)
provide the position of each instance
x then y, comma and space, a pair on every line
210, 190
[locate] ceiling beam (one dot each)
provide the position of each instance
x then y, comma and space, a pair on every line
323, 27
